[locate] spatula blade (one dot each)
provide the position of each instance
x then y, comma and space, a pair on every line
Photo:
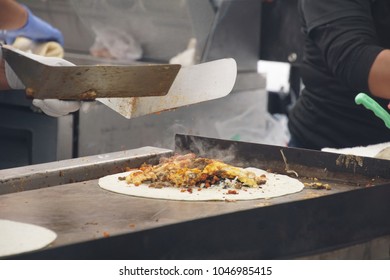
89, 82
193, 84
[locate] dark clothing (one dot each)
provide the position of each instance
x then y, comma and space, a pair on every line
294, 143
343, 38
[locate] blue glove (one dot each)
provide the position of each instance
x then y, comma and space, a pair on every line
35, 29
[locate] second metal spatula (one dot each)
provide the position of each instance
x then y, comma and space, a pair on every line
193, 84
89, 82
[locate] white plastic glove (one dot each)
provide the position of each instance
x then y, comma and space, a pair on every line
56, 108
51, 107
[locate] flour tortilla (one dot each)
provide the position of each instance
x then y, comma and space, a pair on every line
17, 238
277, 185
51, 48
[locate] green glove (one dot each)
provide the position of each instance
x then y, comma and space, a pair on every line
372, 105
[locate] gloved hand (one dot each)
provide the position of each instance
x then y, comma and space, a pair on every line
51, 107
56, 108
36, 29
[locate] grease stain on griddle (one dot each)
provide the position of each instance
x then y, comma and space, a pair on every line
350, 161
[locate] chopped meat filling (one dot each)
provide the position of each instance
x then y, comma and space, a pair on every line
187, 171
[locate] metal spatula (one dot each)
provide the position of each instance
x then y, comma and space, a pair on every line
89, 82
193, 84
138, 91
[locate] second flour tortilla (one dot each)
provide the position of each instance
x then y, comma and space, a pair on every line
276, 185
17, 237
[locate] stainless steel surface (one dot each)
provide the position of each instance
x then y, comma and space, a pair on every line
82, 211
65, 136
307, 223
90, 82
74, 170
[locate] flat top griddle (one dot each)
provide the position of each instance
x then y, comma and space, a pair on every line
94, 223
83, 211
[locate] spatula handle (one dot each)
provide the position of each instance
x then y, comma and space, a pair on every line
372, 105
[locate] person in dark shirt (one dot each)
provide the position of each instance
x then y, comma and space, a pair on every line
347, 51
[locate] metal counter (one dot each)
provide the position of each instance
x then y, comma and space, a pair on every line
93, 223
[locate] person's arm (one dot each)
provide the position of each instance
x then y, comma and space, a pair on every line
17, 20
351, 52
379, 77
12, 15
345, 33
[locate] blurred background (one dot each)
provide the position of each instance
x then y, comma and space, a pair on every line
262, 36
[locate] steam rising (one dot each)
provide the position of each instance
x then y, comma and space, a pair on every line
204, 148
